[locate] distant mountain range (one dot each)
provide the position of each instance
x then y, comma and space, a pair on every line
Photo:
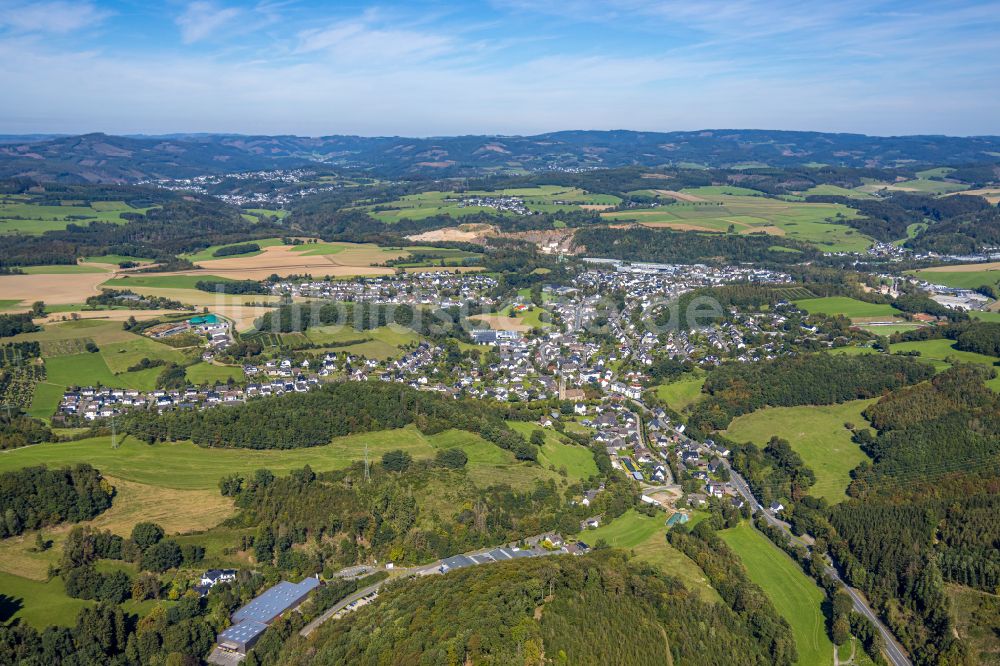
107, 158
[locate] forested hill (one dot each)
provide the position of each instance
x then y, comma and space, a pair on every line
596, 609
100, 157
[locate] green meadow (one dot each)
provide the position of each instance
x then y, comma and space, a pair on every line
744, 211
941, 354
185, 466
835, 190
18, 214
646, 537
544, 198
63, 269
162, 281
67, 363
379, 343
681, 394
207, 373
796, 596
41, 604
960, 279
848, 307
577, 460
115, 259
815, 432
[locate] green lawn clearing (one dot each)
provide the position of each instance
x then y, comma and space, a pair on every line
848, 307
794, 595
815, 432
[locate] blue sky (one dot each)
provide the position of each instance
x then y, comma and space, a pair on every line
502, 66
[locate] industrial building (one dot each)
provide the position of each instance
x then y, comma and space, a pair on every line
251, 621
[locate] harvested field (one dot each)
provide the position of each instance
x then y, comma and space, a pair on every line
991, 194
596, 206
54, 289
770, 230
110, 315
680, 196
286, 260
502, 323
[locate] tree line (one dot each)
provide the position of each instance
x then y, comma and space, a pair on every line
314, 418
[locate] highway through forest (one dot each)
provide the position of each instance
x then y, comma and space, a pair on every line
893, 651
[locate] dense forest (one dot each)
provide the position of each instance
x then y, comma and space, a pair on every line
689, 247
314, 418
363, 317
596, 609
925, 510
12, 324
34, 497
808, 379
174, 225
407, 512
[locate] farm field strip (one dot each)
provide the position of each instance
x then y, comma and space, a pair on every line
796, 596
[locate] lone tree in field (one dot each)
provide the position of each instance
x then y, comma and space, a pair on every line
396, 460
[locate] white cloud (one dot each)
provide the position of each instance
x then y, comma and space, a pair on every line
202, 19
58, 17
366, 40
378, 73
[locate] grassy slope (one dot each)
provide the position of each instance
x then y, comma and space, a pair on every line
795, 595
206, 373
578, 461
960, 279
681, 394
40, 604
748, 211
977, 619
184, 466
849, 307
646, 536
937, 352
817, 433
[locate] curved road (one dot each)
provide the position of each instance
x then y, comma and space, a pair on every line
893, 650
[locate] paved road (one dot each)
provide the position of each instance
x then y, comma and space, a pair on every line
892, 647
344, 603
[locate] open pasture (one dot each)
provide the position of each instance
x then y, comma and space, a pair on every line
848, 307
177, 511
68, 363
795, 596
378, 343
835, 190
725, 209
185, 466
815, 432
681, 394
20, 214
646, 536
544, 198
577, 460
961, 276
